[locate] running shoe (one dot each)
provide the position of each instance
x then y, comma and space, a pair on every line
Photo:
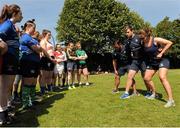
87, 84
125, 96
170, 103
114, 91
151, 97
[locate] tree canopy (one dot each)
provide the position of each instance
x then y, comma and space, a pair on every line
96, 23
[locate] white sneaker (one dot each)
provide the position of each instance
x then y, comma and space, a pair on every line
152, 97
80, 83
70, 88
170, 103
87, 84
73, 87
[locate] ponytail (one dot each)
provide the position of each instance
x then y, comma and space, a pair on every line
8, 11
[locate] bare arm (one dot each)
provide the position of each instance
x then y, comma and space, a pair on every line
115, 66
71, 57
3, 47
164, 42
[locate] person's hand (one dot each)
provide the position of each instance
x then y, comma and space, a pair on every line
116, 72
53, 60
159, 55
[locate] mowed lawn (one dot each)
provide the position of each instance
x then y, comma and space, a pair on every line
95, 105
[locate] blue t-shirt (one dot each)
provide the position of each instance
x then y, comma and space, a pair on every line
26, 53
9, 35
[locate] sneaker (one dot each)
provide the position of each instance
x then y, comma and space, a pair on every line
80, 83
2, 118
87, 84
125, 96
151, 97
148, 94
170, 103
70, 88
115, 91
135, 94
73, 87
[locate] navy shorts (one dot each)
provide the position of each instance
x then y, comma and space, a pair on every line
137, 65
156, 64
29, 68
82, 66
46, 64
10, 64
123, 70
71, 65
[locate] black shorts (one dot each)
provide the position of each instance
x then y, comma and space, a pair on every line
82, 66
137, 65
65, 67
10, 64
46, 64
156, 64
123, 70
29, 68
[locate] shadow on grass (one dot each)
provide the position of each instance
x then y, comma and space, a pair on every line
28, 118
159, 96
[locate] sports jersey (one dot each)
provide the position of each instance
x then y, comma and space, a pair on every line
80, 53
152, 51
122, 56
135, 47
9, 35
26, 41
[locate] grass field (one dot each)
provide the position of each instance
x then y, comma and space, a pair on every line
95, 105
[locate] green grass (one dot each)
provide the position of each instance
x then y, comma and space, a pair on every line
96, 106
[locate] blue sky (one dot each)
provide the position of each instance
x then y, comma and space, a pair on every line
154, 11
46, 11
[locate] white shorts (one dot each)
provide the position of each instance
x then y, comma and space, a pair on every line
58, 69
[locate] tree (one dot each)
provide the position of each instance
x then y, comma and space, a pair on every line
96, 23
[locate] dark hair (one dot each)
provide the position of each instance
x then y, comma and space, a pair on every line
119, 42
45, 32
8, 11
57, 45
28, 24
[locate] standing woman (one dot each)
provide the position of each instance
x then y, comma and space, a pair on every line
29, 63
60, 57
47, 65
9, 50
155, 48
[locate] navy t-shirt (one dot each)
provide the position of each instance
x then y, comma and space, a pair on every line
122, 57
136, 47
26, 41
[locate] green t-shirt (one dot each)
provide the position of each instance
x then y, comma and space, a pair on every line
80, 52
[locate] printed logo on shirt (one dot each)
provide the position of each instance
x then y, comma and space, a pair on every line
49, 64
32, 71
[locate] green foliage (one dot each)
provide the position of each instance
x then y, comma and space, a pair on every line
96, 23
170, 30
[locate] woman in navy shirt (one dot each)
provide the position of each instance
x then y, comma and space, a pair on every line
29, 63
10, 15
155, 47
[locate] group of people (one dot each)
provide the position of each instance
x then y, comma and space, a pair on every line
29, 56
142, 51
